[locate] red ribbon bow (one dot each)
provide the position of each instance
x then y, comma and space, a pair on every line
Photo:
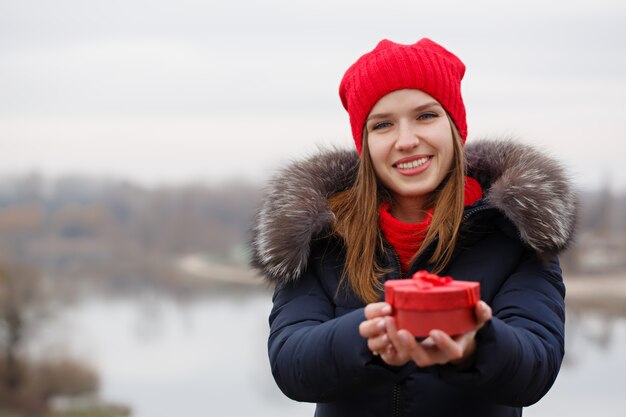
426, 280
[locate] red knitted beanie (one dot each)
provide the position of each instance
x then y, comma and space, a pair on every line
424, 66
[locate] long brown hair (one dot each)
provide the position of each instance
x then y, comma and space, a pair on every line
356, 221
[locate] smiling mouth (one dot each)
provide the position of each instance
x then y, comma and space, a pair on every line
412, 164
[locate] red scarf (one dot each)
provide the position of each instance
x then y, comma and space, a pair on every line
406, 238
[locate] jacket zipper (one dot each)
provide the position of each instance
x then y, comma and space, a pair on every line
475, 210
395, 404
395, 397
396, 258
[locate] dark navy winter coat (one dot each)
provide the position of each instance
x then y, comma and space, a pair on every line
508, 242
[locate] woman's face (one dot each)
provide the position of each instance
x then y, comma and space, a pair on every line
410, 143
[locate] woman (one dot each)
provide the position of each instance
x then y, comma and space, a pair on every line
335, 227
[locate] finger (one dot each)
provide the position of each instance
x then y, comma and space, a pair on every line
467, 342
422, 355
428, 342
402, 339
375, 327
403, 336
396, 340
374, 310
404, 342
390, 356
378, 344
406, 345
372, 328
395, 354
483, 313
390, 351
449, 349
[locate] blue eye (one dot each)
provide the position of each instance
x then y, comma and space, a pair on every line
428, 115
381, 125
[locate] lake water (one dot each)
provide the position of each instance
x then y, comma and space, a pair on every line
164, 357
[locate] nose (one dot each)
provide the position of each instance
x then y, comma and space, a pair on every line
407, 138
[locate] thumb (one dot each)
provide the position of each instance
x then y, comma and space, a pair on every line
483, 313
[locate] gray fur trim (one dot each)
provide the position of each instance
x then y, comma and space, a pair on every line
531, 189
295, 209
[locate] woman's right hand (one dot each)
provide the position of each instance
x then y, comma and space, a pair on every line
374, 330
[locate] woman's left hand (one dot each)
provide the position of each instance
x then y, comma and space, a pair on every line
438, 348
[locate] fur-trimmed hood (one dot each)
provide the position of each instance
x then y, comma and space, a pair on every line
531, 190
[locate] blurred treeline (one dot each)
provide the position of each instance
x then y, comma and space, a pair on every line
600, 245
129, 235
118, 234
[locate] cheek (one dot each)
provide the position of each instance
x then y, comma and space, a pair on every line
377, 154
445, 145
449, 157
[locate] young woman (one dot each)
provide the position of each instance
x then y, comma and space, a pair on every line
335, 227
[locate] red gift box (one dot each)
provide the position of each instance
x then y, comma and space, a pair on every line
428, 301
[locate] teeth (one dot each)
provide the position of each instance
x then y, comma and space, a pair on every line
413, 164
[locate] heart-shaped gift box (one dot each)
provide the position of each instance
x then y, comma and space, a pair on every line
428, 301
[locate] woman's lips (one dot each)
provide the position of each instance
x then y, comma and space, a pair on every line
413, 165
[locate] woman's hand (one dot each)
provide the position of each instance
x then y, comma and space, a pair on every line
374, 329
439, 348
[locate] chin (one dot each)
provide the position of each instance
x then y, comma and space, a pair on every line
413, 193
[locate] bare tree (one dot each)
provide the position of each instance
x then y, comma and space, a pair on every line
19, 293
27, 385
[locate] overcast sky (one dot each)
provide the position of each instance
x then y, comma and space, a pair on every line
173, 91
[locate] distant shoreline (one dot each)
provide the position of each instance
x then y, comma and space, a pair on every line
606, 293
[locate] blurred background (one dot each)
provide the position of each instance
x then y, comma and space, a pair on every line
136, 135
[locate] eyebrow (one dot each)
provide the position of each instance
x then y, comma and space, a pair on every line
417, 109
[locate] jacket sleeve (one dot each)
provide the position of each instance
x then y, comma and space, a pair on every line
520, 350
315, 356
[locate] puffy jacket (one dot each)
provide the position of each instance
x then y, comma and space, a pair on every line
508, 241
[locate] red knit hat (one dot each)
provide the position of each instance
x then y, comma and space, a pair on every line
425, 66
